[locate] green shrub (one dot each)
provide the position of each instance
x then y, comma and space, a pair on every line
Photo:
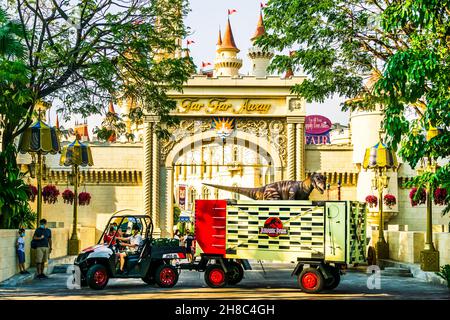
445, 273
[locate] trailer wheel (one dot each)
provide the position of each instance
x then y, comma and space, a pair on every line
235, 272
97, 277
215, 276
333, 282
311, 280
166, 276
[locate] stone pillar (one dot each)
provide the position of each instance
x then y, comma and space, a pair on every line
167, 230
155, 181
148, 168
151, 175
300, 151
291, 151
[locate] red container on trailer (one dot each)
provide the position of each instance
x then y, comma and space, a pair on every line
210, 225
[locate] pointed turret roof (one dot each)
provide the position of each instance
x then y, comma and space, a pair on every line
57, 122
260, 29
228, 39
219, 41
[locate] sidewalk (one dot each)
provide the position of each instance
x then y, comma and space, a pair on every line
20, 279
416, 271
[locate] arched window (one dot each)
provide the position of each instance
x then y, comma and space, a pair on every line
205, 193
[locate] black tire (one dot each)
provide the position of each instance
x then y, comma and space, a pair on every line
149, 280
97, 277
311, 280
215, 276
333, 282
235, 272
166, 276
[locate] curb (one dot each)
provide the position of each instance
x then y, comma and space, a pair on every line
20, 279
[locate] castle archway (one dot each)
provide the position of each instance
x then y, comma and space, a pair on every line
271, 164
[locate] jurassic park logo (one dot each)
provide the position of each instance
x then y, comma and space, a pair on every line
273, 227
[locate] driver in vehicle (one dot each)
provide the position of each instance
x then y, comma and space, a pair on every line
131, 244
108, 238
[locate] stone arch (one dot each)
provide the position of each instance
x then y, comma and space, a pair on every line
240, 137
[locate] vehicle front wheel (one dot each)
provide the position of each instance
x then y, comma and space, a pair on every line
97, 277
215, 276
166, 276
311, 280
235, 272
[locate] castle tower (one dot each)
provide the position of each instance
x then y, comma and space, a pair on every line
227, 63
367, 124
260, 58
82, 130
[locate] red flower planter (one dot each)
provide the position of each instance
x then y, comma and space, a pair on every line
50, 194
422, 198
389, 200
84, 198
440, 195
68, 196
32, 192
372, 201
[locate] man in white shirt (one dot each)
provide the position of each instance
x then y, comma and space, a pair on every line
131, 243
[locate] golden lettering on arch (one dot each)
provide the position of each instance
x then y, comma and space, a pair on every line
249, 107
222, 105
190, 104
218, 104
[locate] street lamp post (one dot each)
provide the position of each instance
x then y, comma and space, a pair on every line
380, 182
380, 159
75, 154
429, 257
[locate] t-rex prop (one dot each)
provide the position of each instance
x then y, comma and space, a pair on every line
281, 190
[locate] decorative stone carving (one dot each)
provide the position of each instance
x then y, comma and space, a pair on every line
295, 104
273, 129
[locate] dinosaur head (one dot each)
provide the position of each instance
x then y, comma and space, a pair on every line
319, 181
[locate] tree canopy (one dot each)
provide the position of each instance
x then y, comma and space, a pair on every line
379, 53
419, 76
88, 53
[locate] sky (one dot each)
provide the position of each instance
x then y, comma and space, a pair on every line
203, 21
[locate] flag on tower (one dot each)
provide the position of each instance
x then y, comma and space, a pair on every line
263, 5
231, 11
205, 64
190, 42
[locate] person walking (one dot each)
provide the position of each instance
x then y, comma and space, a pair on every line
43, 243
20, 251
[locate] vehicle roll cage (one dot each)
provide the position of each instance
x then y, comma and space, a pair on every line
149, 226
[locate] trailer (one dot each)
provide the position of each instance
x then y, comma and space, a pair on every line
321, 237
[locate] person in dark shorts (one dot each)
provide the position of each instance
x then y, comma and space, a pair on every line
20, 251
189, 251
43, 239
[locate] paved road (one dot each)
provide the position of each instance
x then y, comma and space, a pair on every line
275, 284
